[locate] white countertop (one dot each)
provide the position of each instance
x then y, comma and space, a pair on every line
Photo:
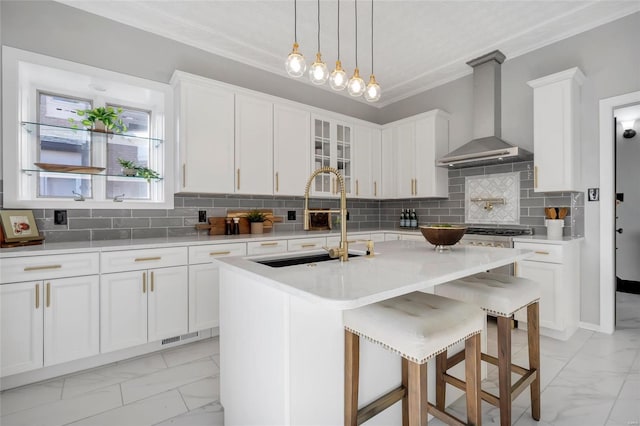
398, 267
543, 239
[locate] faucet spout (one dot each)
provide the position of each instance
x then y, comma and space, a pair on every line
343, 251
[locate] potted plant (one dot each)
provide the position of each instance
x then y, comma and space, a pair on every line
256, 219
106, 117
130, 168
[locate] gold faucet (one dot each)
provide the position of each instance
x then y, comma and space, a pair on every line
343, 250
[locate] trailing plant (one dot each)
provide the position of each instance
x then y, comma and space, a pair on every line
109, 116
256, 216
141, 171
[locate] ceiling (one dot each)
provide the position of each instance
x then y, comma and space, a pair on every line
417, 44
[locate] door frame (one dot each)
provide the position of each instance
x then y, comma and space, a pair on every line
607, 207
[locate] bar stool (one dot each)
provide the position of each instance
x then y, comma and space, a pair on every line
500, 296
417, 326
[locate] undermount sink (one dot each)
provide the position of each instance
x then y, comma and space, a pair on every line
299, 260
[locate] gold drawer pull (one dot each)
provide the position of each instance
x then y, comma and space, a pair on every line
48, 294
307, 245
147, 259
37, 296
219, 253
275, 243
40, 268
541, 252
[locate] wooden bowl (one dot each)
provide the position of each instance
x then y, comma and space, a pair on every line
443, 236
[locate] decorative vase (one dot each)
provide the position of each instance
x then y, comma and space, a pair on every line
257, 227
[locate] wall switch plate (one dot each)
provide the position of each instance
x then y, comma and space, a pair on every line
291, 215
202, 215
59, 217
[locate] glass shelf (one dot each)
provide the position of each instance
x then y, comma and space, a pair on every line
87, 174
31, 127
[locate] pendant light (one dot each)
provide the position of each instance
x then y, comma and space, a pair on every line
295, 63
373, 91
338, 79
356, 83
318, 73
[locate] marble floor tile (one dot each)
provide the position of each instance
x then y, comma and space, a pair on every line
119, 372
31, 396
626, 411
192, 352
201, 393
168, 378
631, 388
567, 406
66, 411
145, 412
209, 415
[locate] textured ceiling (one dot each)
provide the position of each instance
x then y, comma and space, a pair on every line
417, 44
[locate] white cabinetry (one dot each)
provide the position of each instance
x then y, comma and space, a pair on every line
266, 247
291, 131
366, 161
52, 317
254, 145
300, 244
555, 267
204, 282
389, 187
556, 131
332, 147
205, 134
147, 304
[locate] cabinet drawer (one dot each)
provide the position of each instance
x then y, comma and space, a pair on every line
550, 253
30, 268
306, 244
131, 260
266, 247
356, 242
204, 254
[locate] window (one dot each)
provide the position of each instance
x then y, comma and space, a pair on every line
51, 162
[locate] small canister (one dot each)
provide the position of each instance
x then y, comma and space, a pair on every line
228, 229
236, 225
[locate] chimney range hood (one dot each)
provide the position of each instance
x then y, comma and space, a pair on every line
487, 147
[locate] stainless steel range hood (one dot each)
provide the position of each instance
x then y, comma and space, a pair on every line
487, 147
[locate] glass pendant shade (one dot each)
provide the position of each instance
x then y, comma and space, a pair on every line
338, 79
372, 92
356, 84
318, 73
295, 63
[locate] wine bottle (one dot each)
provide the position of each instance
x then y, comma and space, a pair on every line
414, 219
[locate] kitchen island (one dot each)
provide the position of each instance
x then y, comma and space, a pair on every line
281, 333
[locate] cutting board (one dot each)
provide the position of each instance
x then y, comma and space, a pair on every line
216, 225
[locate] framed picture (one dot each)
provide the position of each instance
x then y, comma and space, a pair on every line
19, 225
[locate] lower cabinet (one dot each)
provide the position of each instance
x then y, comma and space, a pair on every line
142, 306
48, 322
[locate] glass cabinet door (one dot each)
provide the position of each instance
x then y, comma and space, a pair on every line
332, 144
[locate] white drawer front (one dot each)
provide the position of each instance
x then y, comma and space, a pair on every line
209, 252
131, 260
266, 247
551, 253
30, 268
356, 242
379, 236
306, 244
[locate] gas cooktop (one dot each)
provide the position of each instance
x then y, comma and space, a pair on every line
505, 232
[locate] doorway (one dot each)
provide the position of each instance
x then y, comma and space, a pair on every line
608, 110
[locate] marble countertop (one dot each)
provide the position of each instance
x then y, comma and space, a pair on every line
398, 267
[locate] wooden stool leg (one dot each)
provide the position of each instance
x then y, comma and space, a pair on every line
417, 394
533, 334
472, 377
441, 385
405, 384
504, 369
351, 377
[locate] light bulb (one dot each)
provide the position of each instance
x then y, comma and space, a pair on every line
295, 63
318, 73
373, 90
356, 84
338, 79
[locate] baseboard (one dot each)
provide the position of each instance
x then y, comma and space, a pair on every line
591, 326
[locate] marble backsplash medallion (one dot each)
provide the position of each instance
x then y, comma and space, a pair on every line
504, 188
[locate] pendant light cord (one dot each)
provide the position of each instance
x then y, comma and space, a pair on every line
295, 21
372, 37
318, 26
338, 29
356, 8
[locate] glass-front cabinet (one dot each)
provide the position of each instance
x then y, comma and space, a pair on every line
331, 147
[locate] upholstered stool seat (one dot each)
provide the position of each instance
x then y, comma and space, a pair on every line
417, 326
500, 296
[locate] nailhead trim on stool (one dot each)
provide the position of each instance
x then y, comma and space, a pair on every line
417, 326
500, 296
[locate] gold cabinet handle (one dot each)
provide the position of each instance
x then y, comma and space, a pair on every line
515, 269
412, 193
147, 259
415, 186
219, 253
541, 252
144, 282
37, 296
152, 281
40, 268
184, 175
277, 182
275, 243
535, 176
48, 294
238, 173
375, 188
307, 245
357, 188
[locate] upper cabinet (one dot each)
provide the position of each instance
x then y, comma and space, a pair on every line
410, 148
556, 131
291, 134
367, 166
254, 145
332, 147
205, 135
